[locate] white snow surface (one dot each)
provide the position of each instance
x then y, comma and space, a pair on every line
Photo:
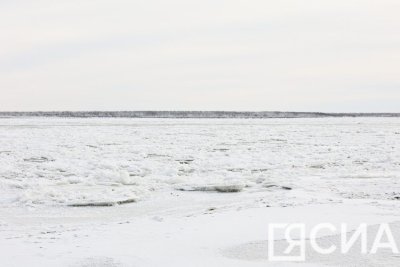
177, 172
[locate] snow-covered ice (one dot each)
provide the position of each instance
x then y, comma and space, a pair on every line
192, 192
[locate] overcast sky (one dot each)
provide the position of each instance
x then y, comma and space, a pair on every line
288, 55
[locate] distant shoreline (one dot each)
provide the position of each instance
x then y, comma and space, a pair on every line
191, 114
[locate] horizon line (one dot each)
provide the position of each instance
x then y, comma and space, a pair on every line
193, 114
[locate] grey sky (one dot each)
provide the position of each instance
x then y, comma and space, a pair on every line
288, 55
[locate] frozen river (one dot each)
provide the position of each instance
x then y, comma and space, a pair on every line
66, 161
183, 167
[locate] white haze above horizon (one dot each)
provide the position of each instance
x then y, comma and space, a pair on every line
288, 55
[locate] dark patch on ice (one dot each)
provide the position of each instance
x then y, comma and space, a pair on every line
395, 195
274, 185
228, 188
142, 174
185, 172
270, 185
39, 159
221, 149
317, 166
236, 169
127, 201
185, 161
258, 170
215, 188
92, 146
104, 203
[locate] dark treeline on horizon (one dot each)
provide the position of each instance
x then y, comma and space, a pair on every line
189, 114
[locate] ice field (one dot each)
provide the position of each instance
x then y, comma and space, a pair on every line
139, 183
